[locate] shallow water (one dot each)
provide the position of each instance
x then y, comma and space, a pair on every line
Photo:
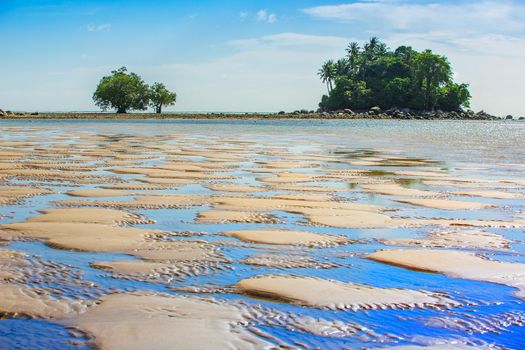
490, 314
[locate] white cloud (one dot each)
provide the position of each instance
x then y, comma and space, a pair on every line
292, 40
471, 16
484, 40
265, 16
99, 28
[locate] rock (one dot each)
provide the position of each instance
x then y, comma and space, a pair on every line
348, 111
303, 111
521, 118
375, 110
281, 112
34, 113
2, 113
509, 117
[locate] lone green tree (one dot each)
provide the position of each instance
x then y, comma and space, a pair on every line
159, 96
122, 91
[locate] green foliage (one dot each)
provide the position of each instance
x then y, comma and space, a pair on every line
122, 91
453, 95
376, 76
160, 96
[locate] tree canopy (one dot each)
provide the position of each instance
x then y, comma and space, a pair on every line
374, 75
160, 96
125, 91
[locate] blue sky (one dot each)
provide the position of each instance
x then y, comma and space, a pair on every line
246, 55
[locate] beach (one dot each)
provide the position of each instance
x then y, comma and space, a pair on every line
281, 231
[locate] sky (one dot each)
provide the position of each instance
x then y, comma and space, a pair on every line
246, 56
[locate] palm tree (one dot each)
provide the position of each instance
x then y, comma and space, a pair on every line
341, 67
327, 74
353, 52
371, 51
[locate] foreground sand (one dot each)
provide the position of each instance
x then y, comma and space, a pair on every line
256, 207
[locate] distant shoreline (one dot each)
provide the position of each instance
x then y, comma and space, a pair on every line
272, 116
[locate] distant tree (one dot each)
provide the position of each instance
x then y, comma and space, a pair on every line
341, 67
327, 73
454, 96
159, 96
122, 91
432, 72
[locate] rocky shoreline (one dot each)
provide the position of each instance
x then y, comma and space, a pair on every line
373, 113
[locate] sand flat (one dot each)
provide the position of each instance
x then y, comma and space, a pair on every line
28, 302
143, 202
79, 236
99, 193
445, 204
490, 194
136, 322
291, 237
456, 264
235, 216
454, 238
231, 187
397, 190
330, 294
90, 216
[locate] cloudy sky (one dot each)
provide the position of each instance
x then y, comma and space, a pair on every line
246, 55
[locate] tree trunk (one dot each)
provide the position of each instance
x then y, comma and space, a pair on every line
159, 109
121, 110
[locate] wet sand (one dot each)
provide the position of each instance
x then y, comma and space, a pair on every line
191, 240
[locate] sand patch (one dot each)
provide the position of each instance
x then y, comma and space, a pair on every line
467, 185
167, 182
90, 216
167, 261
490, 194
13, 194
288, 262
289, 237
229, 216
98, 193
284, 187
143, 202
134, 187
445, 204
342, 218
21, 301
288, 178
136, 322
288, 202
169, 174
397, 190
10, 262
79, 236
454, 239
51, 175
306, 197
234, 188
335, 295
456, 264
288, 165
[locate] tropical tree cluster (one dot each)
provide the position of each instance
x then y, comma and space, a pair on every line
374, 75
125, 91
